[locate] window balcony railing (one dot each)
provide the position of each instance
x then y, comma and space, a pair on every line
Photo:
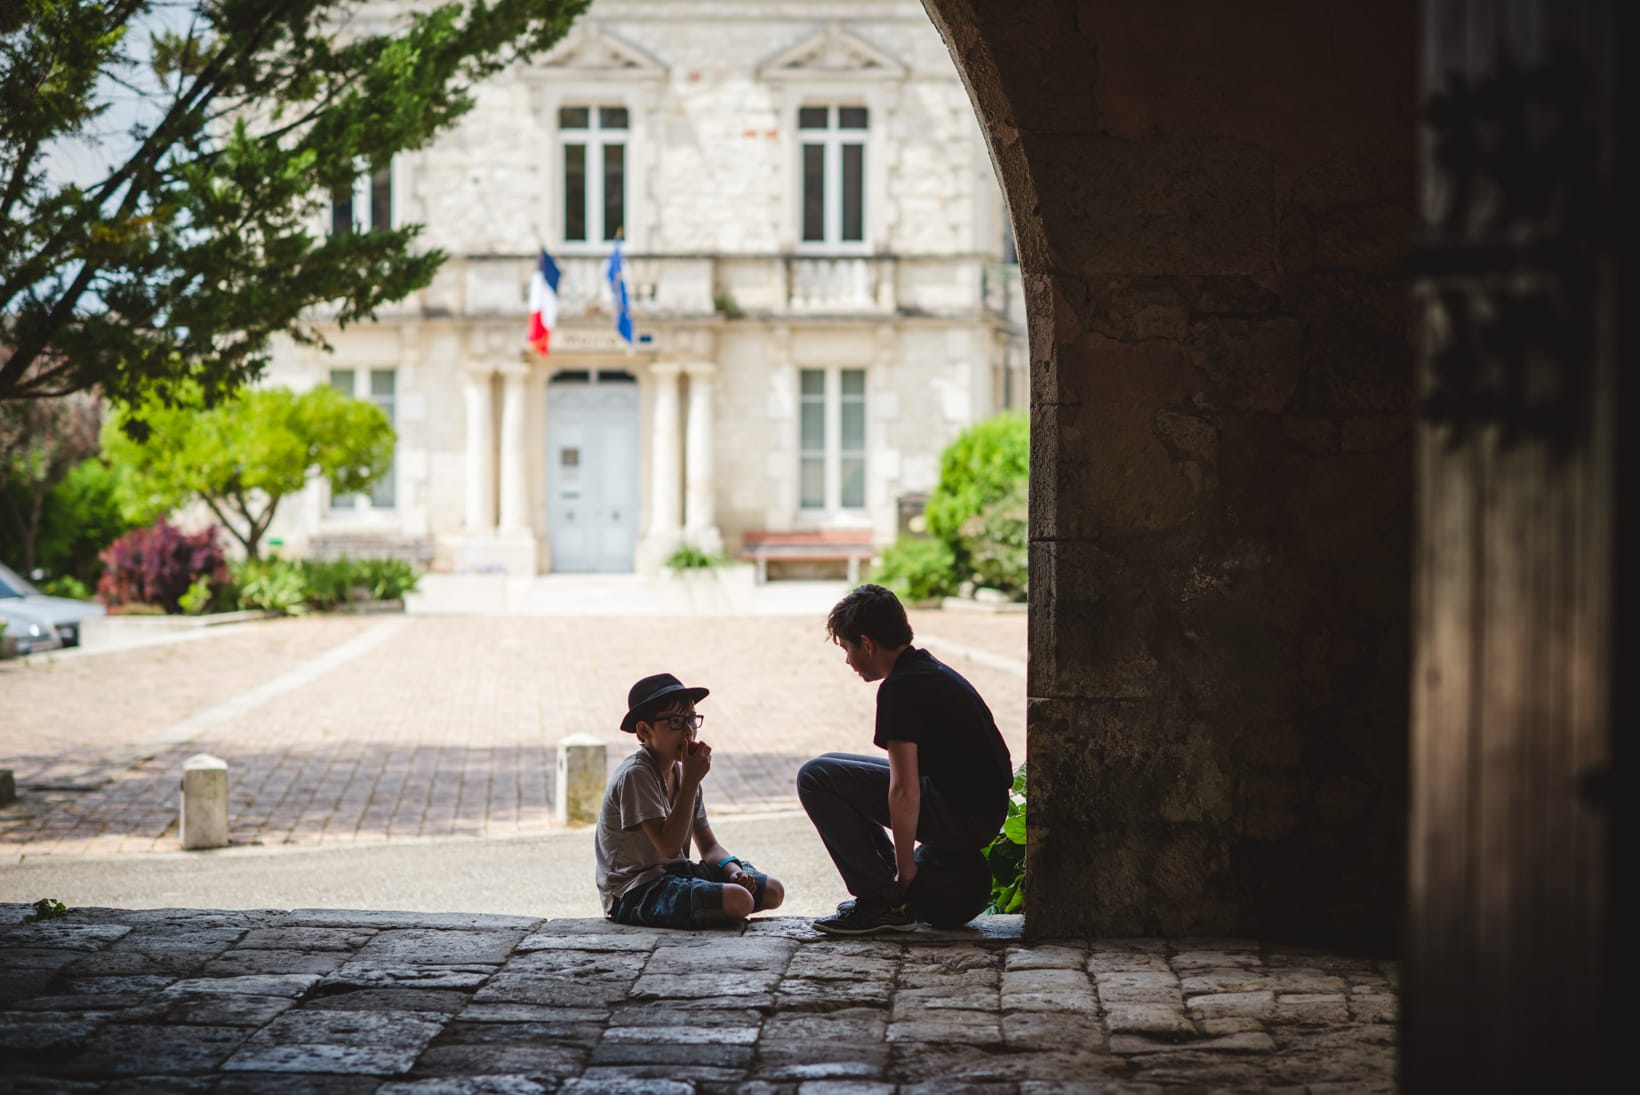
852, 284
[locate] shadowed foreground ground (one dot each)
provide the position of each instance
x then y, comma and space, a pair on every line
323, 1000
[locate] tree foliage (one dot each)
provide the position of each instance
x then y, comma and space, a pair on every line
241, 459
41, 441
82, 517
172, 270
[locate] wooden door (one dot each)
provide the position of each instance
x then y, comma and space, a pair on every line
1515, 685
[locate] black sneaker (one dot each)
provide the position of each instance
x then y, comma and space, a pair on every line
867, 921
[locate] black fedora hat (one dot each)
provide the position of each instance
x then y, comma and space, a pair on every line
653, 692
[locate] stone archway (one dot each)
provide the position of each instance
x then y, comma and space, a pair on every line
1211, 213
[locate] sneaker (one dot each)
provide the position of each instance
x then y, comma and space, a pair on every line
867, 921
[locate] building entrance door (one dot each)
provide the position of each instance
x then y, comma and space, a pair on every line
592, 471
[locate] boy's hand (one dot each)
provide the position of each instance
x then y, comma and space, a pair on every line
742, 879
697, 760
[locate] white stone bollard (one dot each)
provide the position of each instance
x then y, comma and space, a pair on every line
583, 769
204, 801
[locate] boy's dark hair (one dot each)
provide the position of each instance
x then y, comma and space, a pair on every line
870, 610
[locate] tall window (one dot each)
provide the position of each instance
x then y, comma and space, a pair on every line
379, 387
594, 144
366, 206
834, 173
832, 438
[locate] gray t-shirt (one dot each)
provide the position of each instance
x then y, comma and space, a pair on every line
626, 856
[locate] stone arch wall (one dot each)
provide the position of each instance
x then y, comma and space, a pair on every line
1212, 204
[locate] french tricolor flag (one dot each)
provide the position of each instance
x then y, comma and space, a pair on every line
543, 302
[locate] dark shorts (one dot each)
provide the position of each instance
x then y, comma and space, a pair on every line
688, 895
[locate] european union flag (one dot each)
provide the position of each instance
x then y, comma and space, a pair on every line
615, 274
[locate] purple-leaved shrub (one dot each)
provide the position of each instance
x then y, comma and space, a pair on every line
156, 566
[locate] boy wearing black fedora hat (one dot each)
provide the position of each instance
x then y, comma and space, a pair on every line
651, 809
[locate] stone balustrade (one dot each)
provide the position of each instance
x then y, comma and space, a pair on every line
686, 286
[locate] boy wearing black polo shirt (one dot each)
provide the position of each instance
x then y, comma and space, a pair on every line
944, 781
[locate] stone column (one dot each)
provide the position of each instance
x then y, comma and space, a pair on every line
515, 497
665, 519
480, 454
700, 450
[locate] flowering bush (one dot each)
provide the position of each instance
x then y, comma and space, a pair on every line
158, 565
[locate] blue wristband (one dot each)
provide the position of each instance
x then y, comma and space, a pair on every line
724, 862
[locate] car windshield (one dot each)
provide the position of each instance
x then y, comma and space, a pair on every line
12, 584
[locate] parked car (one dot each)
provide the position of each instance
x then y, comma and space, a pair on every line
26, 630
65, 613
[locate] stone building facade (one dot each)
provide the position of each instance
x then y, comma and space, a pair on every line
814, 245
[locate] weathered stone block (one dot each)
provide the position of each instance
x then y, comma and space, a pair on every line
1312, 1009
236, 961
599, 965
1240, 1042
974, 1028
437, 1001
259, 984
1169, 204
205, 1009
1046, 956
547, 1060
418, 947
489, 1084
520, 988
61, 935
306, 940
653, 1053
129, 1049
1248, 1005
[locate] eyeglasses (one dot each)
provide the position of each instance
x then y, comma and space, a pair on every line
682, 722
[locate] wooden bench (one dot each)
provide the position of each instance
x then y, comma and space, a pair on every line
809, 546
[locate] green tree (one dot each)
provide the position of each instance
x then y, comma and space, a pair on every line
82, 517
242, 458
41, 441
174, 268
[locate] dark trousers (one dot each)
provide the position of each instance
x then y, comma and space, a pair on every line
846, 796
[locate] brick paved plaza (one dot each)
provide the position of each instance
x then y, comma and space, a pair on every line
347, 729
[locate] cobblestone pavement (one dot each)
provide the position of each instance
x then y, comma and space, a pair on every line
352, 729
351, 1002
